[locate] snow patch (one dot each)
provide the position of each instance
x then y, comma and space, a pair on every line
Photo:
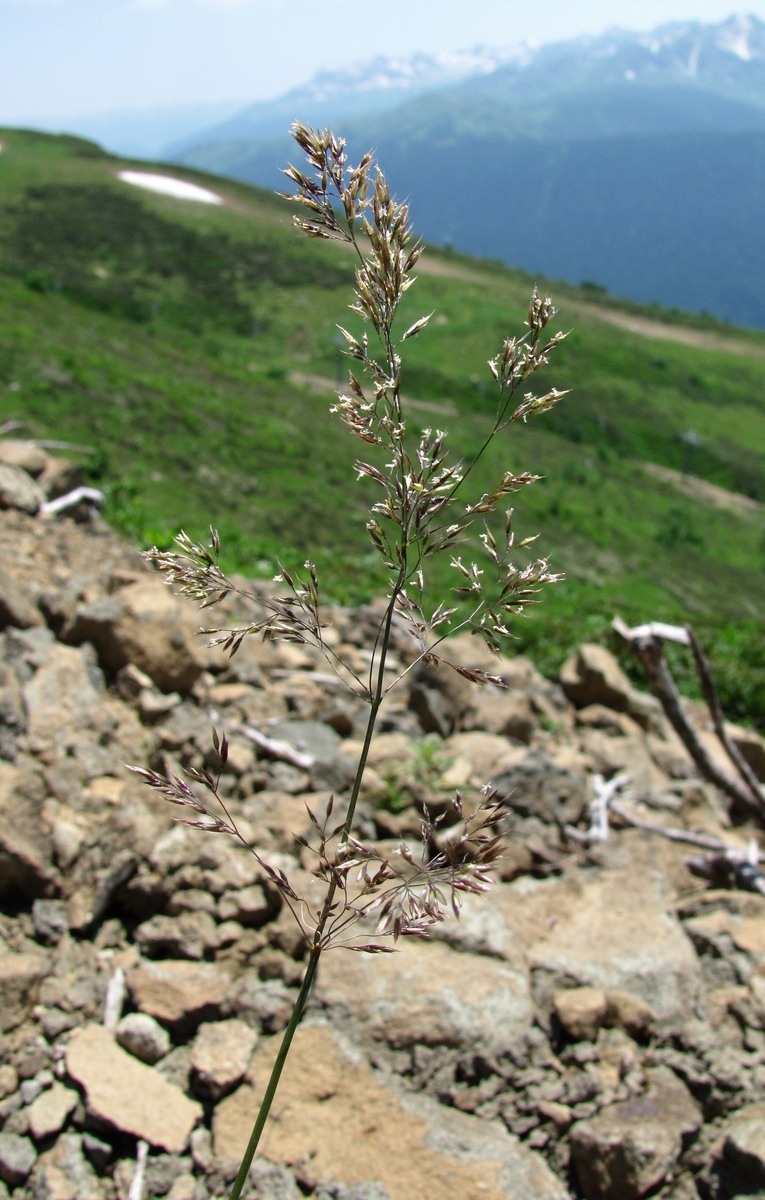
735, 37
168, 186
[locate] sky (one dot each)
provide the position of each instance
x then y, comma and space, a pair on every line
78, 57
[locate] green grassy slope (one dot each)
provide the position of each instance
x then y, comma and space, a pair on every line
194, 349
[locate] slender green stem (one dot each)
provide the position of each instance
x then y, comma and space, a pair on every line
276, 1071
318, 943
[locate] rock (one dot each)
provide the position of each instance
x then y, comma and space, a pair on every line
179, 994
538, 787
188, 935
220, 1056
26, 868
9, 1080
62, 476
20, 978
184, 1187
593, 676
16, 608
615, 932
18, 490
629, 1013
17, 1157
65, 693
128, 1095
146, 625
744, 1144
64, 1173
26, 456
143, 1037
342, 1103
248, 906
50, 921
630, 1148
581, 1011
427, 995
49, 1113
269, 1179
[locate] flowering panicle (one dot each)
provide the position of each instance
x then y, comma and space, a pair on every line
373, 897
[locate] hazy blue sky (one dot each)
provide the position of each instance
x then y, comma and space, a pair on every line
72, 57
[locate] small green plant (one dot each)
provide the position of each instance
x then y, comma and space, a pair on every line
420, 509
416, 779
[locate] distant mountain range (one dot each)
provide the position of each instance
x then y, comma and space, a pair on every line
634, 161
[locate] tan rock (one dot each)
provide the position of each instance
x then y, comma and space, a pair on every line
27, 456
178, 992
20, 979
477, 758
593, 676
18, 490
26, 849
128, 1095
629, 1013
146, 625
340, 1121
49, 1112
581, 1011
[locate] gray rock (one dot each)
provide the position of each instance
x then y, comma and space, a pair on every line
143, 1037
62, 695
162, 1170
26, 851
220, 1056
17, 1157
49, 917
744, 1144
188, 935
270, 1179
540, 788
628, 1149
64, 1171
615, 931
360, 1191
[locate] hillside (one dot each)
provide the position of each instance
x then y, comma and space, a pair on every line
192, 349
634, 160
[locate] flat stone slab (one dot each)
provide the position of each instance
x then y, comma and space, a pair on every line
351, 1125
127, 1094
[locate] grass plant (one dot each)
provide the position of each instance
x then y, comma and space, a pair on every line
424, 506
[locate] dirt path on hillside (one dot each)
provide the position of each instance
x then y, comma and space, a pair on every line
707, 493
685, 335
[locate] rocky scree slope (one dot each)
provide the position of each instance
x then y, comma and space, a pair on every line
593, 1027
